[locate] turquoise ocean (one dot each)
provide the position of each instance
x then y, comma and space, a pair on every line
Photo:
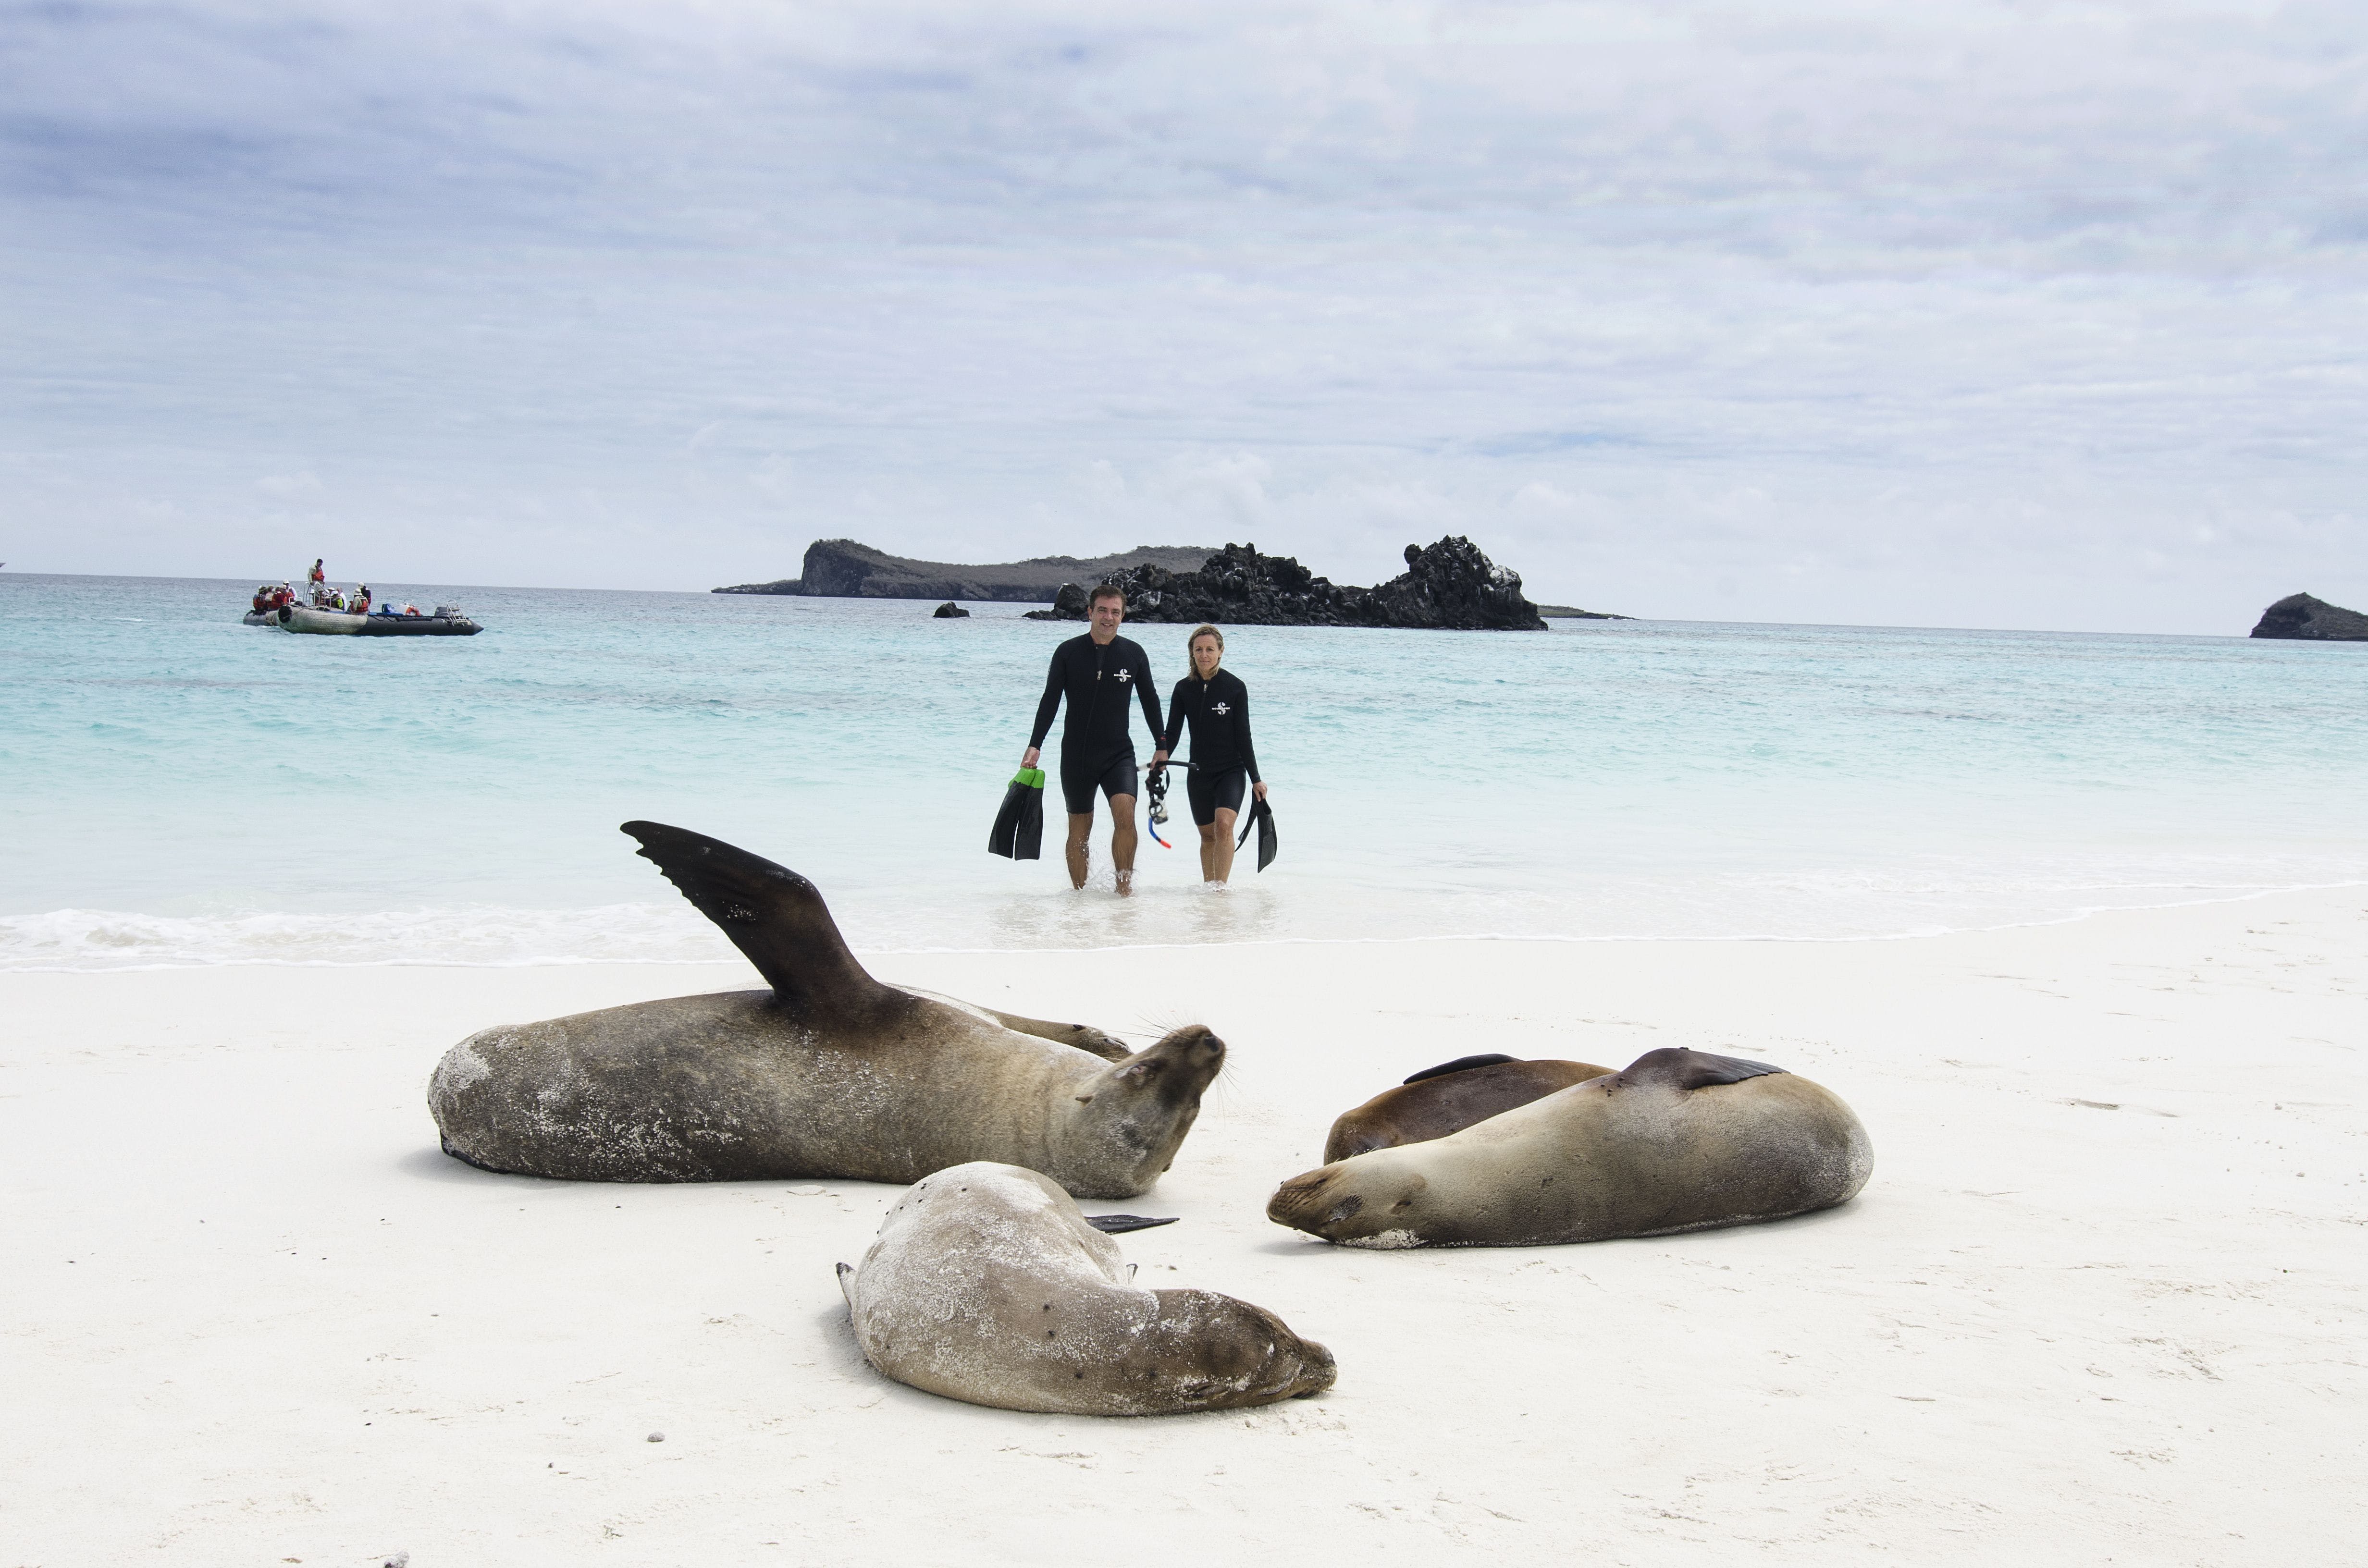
178, 788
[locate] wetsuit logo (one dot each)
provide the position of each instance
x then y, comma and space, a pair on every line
1123, 675
1222, 709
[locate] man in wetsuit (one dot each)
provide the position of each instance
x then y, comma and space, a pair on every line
1099, 673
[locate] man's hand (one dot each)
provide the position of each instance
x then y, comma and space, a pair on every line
1028, 759
1259, 788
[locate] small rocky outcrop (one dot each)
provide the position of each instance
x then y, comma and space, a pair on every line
1452, 585
1572, 613
840, 568
950, 611
2301, 619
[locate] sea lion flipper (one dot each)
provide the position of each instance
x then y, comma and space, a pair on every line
771, 913
1486, 1059
1676, 1067
1085, 1036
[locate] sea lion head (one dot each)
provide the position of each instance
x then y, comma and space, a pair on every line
1132, 1116
1207, 1351
1375, 1199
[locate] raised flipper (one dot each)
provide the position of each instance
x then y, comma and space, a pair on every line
1675, 1067
1488, 1059
1085, 1036
775, 917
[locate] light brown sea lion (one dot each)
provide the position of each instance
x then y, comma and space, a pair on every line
1448, 1098
829, 1073
1680, 1141
987, 1285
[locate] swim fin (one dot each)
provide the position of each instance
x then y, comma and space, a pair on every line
1019, 831
1263, 817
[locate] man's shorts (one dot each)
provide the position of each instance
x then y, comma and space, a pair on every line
1079, 779
1212, 793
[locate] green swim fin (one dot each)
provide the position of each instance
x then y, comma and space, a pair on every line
1019, 831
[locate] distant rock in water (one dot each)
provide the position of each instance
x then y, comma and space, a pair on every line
840, 568
950, 611
1449, 587
2306, 619
1572, 613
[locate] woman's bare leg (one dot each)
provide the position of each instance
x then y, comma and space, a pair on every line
1219, 863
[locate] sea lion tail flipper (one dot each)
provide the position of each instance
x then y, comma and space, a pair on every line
771, 913
1677, 1068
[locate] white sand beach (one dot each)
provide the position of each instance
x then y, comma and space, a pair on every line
2102, 1302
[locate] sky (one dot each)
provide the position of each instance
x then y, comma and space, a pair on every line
1943, 313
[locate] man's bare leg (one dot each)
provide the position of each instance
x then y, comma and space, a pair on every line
1208, 852
1221, 849
1121, 843
1081, 827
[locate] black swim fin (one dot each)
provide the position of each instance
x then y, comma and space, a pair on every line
1114, 1224
1261, 818
1019, 831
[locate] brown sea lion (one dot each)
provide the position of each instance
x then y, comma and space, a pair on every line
1448, 1098
829, 1073
987, 1285
1679, 1141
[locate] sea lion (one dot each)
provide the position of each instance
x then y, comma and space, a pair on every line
829, 1073
1679, 1141
1448, 1098
987, 1285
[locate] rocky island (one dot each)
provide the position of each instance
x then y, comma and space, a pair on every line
842, 569
2301, 619
1449, 587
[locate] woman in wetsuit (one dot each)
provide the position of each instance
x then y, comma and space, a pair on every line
1216, 705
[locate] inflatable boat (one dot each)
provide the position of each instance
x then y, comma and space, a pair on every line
448, 622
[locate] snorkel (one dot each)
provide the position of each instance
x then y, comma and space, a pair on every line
1158, 813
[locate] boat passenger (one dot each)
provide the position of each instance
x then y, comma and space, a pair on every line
362, 600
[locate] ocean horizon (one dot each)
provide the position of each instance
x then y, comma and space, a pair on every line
183, 790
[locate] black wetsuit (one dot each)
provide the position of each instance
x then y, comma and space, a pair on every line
1097, 751
1224, 764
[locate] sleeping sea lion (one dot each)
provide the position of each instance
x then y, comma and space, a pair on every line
1680, 1141
987, 1285
829, 1073
1448, 1098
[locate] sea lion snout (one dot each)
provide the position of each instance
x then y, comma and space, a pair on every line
1184, 1062
1341, 1201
